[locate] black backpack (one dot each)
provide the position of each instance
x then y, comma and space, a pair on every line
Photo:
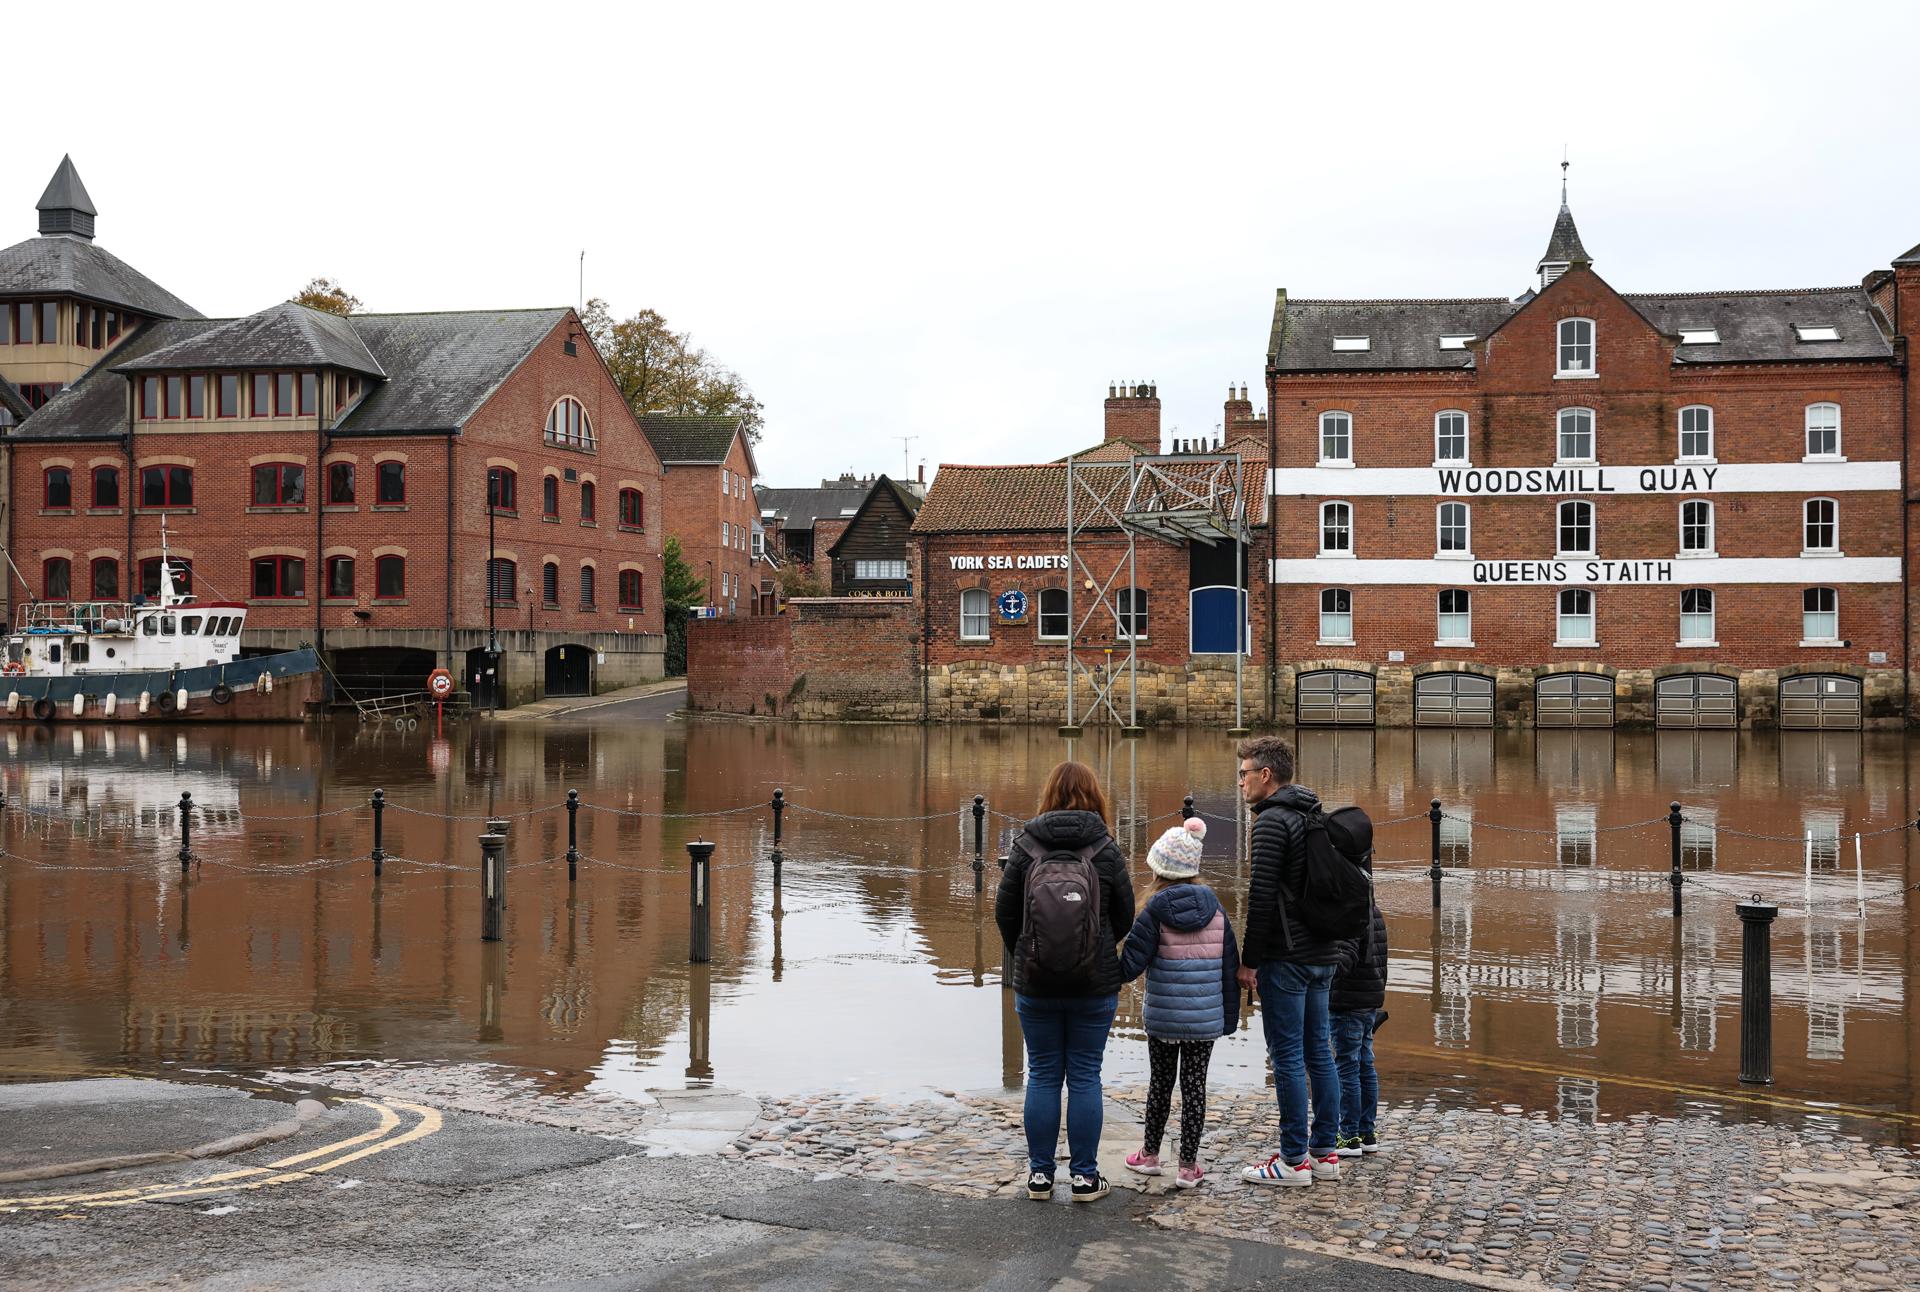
1061, 926
1336, 890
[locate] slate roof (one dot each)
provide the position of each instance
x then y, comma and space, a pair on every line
1563, 247
1911, 258
1754, 327
95, 407
57, 266
285, 336
65, 192
798, 509
691, 439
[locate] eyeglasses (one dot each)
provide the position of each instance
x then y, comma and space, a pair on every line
1249, 771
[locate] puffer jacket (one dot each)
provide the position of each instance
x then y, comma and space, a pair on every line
1068, 831
1279, 875
1361, 980
1184, 943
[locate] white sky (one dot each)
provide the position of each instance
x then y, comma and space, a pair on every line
961, 222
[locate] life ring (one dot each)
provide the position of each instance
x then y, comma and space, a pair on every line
42, 709
15, 667
166, 702
221, 693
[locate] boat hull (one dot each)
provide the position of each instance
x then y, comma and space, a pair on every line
293, 697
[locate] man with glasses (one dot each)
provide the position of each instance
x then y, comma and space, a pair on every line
1290, 967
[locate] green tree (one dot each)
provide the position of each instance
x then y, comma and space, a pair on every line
660, 370
798, 579
680, 591
327, 296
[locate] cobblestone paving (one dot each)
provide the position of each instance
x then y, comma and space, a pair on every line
1645, 1202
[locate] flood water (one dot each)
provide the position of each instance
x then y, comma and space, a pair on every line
1552, 977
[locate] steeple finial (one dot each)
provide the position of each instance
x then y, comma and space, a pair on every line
1563, 176
65, 207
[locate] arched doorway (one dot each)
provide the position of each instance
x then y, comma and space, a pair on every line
1333, 698
1573, 700
1699, 700
569, 670
1452, 700
1820, 702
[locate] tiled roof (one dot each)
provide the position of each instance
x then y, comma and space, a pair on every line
691, 439
285, 336
58, 266
987, 499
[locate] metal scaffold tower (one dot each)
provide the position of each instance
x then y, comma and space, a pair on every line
1176, 498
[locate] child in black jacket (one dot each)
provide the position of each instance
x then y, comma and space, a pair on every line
1355, 1010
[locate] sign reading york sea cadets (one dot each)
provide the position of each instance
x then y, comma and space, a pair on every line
1024, 561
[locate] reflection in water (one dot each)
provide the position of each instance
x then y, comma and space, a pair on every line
1552, 947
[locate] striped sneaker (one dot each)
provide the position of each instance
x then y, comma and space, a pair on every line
1325, 1166
1274, 1171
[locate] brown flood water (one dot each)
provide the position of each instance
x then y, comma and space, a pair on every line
1547, 980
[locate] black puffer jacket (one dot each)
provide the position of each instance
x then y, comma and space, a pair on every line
1361, 982
1279, 873
1070, 831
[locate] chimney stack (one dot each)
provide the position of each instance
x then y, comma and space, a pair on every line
1240, 418
1133, 415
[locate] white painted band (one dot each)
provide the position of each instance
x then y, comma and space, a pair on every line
1703, 571
1555, 481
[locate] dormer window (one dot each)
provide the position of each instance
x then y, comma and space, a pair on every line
1576, 358
1816, 331
1343, 344
1699, 336
1456, 341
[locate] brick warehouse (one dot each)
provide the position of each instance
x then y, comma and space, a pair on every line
337, 474
1584, 508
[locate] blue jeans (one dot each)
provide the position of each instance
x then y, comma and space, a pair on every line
1359, 1085
1066, 1042
1293, 1011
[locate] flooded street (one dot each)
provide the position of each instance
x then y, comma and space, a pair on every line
1552, 978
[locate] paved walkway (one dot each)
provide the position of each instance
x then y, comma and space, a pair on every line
621, 703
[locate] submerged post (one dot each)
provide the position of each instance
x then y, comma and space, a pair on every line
573, 835
186, 831
1674, 878
1756, 991
379, 823
979, 838
779, 807
1433, 872
493, 898
699, 908
498, 825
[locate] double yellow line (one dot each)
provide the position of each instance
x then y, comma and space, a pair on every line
387, 1134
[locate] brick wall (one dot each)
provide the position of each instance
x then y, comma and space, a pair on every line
740, 665
695, 510
823, 658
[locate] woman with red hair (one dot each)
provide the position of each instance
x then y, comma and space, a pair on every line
1065, 901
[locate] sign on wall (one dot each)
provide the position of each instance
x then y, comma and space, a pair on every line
1442, 572
1024, 561
1013, 606
1548, 481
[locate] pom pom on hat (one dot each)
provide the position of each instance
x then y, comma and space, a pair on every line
1176, 854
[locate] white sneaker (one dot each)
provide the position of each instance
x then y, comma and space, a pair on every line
1274, 1171
1326, 1166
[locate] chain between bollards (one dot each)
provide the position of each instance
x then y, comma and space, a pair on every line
186, 831
979, 840
1433, 873
1756, 991
493, 885
573, 835
379, 823
1674, 879
699, 905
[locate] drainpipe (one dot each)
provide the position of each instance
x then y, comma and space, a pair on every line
129, 495
1273, 550
926, 633
317, 491
1905, 354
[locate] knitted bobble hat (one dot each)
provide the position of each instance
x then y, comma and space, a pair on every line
1176, 854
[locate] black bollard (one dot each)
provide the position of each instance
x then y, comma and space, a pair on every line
379, 813
573, 835
1186, 809
493, 876
1433, 815
498, 825
1673, 878
979, 844
699, 907
186, 831
1756, 991
779, 806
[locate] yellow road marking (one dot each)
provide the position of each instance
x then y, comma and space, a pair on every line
254, 1177
1674, 1087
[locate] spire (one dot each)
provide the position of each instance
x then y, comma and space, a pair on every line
1563, 248
65, 207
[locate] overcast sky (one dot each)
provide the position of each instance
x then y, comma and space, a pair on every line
961, 222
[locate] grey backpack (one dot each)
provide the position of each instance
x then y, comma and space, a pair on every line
1061, 928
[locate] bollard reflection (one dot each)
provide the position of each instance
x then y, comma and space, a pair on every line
699, 1024
493, 989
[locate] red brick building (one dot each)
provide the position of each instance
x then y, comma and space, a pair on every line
335, 473
710, 504
1580, 507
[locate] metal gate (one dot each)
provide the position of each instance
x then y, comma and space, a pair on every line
1452, 700
1573, 700
1699, 700
1820, 702
1333, 698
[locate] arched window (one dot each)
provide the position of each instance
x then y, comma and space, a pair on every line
550, 585
633, 509
1336, 616
1696, 617
106, 486
106, 578
1696, 527
166, 486
59, 488
1822, 527
1823, 430
390, 577
1696, 433
1336, 529
1450, 436
1576, 528
279, 484
339, 573
150, 576
1576, 439
1575, 624
340, 483
503, 489
1455, 529
550, 496
569, 425
390, 485
56, 578
586, 500
1576, 357
279, 578
588, 587
1336, 439
502, 576
1820, 615
632, 590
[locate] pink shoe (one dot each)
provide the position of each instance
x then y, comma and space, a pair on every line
1141, 1162
1190, 1177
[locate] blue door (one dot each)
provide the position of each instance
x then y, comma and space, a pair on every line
1212, 615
